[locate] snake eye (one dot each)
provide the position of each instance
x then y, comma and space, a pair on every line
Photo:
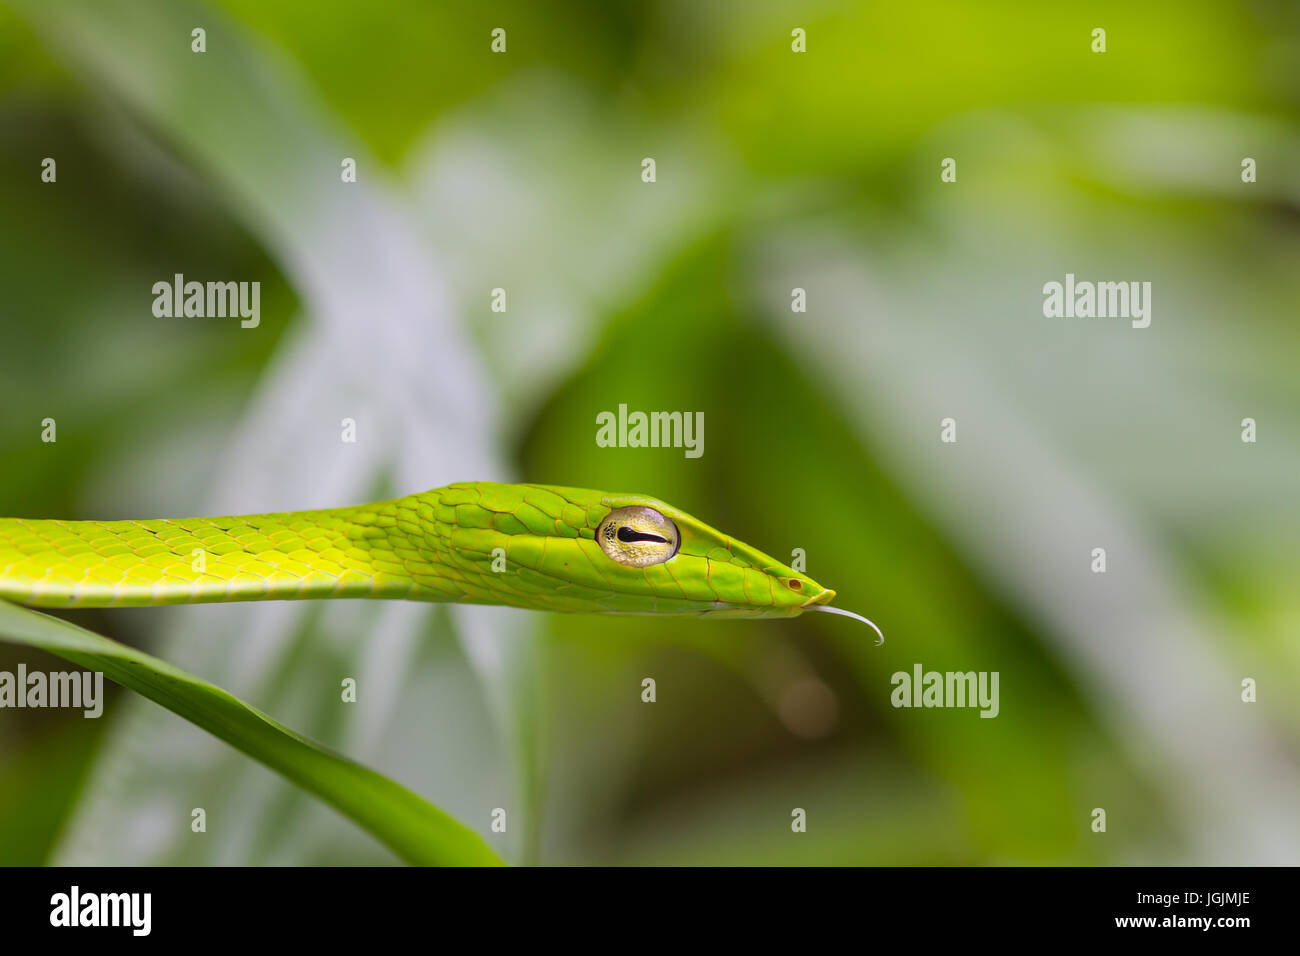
637, 536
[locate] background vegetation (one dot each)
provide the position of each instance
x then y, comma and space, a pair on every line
775, 170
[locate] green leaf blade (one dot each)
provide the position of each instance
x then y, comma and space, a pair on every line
413, 828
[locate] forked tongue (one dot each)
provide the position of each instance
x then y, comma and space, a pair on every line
857, 617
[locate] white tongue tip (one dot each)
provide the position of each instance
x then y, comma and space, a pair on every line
857, 617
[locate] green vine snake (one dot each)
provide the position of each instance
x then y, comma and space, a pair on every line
540, 547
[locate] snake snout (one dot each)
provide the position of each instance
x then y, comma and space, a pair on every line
825, 597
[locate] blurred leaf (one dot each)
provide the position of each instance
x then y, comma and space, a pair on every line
415, 829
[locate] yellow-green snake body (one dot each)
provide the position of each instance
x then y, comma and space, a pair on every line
524, 545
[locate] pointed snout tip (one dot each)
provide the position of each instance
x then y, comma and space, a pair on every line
824, 598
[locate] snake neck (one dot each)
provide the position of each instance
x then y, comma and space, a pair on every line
389, 549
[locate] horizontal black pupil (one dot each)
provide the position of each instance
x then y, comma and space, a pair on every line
628, 535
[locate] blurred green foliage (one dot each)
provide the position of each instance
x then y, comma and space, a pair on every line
841, 145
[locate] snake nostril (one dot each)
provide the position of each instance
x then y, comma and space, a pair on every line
795, 585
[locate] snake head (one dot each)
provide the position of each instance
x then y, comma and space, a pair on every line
681, 562
634, 554
571, 549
